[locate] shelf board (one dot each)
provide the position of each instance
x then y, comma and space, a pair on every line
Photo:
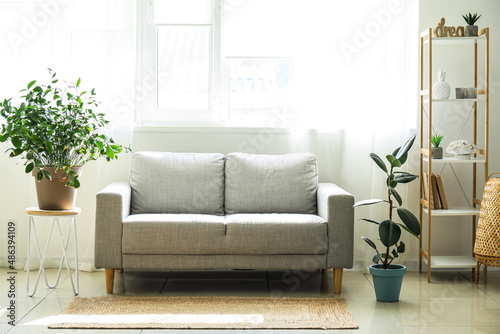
451, 160
452, 262
455, 40
454, 211
454, 100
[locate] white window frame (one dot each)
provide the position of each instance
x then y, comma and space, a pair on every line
147, 83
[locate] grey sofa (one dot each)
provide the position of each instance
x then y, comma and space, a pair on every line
195, 211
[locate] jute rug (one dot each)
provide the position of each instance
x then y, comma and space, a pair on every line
205, 313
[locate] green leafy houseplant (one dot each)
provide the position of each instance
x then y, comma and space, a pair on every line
436, 140
471, 19
389, 230
55, 126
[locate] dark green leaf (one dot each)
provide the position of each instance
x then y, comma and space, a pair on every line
406, 147
393, 161
377, 258
47, 174
389, 233
369, 242
378, 161
29, 167
16, 141
409, 220
401, 247
368, 202
396, 195
394, 253
405, 178
370, 220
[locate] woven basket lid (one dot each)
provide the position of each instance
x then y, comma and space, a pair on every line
487, 244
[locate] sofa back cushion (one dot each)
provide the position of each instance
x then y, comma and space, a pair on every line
271, 183
164, 182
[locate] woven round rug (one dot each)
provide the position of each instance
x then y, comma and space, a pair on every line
205, 313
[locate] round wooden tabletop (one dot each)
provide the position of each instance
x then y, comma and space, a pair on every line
35, 211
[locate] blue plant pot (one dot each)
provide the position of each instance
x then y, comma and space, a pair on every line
387, 282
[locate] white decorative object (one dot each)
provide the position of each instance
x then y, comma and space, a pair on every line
441, 89
461, 149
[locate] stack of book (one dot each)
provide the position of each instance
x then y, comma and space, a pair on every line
435, 195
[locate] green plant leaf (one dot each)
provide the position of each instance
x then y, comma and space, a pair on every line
378, 161
47, 174
31, 84
39, 175
396, 195
368, 202
389, 233
109, 152
405, 178
409, 220
29, 168
393, 161
371, 243
377, 258
370, 220
78, 82
394, 253
406, 146
401, 247
17, 142
48, 145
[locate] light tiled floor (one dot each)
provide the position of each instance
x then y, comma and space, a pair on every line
452, 303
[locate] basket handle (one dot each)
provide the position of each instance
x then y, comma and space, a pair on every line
489, 176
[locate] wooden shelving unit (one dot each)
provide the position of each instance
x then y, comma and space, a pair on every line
426, 213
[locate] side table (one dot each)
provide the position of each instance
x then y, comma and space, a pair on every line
55, 215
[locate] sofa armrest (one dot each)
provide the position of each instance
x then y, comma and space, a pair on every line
336, 206
112, 207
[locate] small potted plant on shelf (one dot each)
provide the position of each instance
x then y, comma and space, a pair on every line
471, 29
388, 277
437, 152
56, 131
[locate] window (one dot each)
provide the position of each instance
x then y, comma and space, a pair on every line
207, 62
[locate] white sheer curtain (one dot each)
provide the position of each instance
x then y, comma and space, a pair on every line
356, 66
92, 40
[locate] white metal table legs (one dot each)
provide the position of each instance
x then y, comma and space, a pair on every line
64, 257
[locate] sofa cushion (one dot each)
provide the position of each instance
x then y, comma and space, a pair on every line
173, 234
271, 183
276, 234
164, 182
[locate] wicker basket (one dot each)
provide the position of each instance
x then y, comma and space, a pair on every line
487, 245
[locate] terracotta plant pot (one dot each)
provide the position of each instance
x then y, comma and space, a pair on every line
55, 194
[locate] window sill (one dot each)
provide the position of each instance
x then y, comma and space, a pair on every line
227, 129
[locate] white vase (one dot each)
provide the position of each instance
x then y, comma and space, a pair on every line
441, 89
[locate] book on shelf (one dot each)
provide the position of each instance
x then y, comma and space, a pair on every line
440, 189
435, 196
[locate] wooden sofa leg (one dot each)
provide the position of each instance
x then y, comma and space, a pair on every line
110, 279
337, 279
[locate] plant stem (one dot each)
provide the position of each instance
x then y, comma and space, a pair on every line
390, 217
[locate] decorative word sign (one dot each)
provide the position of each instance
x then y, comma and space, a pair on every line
442, 31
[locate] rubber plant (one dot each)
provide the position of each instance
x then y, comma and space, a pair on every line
390, 230
55, 125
